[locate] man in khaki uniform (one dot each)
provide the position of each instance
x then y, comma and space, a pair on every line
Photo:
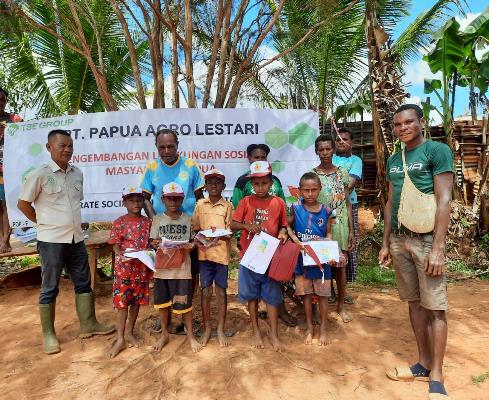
56, 189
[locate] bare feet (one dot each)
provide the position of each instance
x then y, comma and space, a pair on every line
195, 344
222, 338
276, 344
5, 248
164, 339
133, 340
206, 335
257, 342
323, 339
309, 336
116, 348
345, 317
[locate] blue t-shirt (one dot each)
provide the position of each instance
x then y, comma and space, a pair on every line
309, 226
185, 172
353, 165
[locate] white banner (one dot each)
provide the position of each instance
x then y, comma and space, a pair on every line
113, 148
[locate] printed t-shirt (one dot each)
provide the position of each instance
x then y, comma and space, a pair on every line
333, 195
268, 213
173, 229
218, 215
244, 188
309, 226
185, 172
353, 165
423, 163
130, 232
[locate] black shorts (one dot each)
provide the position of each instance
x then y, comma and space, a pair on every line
174, 293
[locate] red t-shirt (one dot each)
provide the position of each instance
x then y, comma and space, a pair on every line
268, 213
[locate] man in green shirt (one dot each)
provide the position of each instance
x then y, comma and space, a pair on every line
419, 258
243, 188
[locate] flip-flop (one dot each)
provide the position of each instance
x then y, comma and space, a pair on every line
349, 299
262, 314
415, 372
332, 299
155, 326
437, 391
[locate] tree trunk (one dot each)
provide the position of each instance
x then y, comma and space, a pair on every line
136, 71
189, 63
379, 145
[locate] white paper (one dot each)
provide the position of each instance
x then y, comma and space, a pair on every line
260, 252
25, 235
147, 257
326, 250
216, 232
172, 244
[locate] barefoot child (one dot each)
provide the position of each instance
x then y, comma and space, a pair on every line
214, 212
309, 220
173, 286
256, 213
131, 276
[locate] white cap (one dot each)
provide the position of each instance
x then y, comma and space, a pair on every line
260, 168
172, 189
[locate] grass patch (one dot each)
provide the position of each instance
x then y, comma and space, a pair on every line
459, 267
478, 379
29, 260
373, 276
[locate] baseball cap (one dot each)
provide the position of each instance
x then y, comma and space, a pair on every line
172, 189
254, 146
131, 190
214, 173
259, 168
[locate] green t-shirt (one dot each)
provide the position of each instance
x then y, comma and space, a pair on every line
424, 162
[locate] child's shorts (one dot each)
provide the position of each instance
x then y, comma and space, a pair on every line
305, 286
174, 293
210, 272
253, 286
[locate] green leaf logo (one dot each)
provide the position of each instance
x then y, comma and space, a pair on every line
35, 149
12, 129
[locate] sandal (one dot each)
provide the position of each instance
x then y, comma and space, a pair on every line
349, 299
262, 314
332, 299
415, 372
437, 391
155, 326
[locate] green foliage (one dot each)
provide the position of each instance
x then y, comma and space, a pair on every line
372, 275
57, 78
460, 267
29, 260
478, 379
484, 243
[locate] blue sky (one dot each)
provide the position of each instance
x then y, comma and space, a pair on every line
417, 70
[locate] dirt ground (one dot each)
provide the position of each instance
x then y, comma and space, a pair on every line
352, 367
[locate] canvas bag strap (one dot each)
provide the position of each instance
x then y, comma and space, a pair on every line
311, 253
404, 166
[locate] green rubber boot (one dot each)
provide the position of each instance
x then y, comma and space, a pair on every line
47, 313
85, 308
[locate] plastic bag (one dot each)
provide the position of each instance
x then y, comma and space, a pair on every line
169, 258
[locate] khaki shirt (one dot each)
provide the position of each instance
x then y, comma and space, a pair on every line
56, 195
207, 216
